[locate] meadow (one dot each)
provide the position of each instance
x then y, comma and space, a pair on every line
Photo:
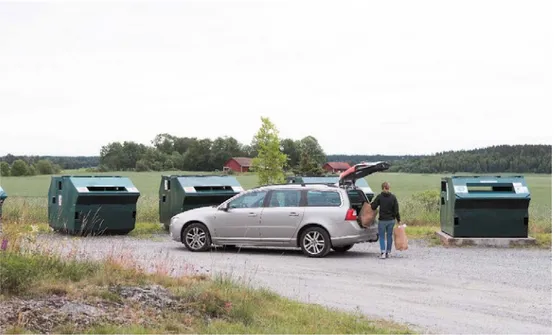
417, 193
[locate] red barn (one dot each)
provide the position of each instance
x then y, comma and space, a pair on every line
336, 167
238, 164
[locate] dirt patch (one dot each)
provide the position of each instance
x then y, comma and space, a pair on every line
48, 314
44, 314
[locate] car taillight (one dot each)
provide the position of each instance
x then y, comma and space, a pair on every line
351, 215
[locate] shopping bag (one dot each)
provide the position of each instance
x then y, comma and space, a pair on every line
366, 215
400, 237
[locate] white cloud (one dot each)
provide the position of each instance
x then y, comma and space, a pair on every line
362, 77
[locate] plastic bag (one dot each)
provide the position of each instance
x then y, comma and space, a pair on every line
400, 237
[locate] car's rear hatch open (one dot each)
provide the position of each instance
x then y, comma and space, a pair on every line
361, 170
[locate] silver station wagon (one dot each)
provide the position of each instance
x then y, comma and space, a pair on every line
317, 218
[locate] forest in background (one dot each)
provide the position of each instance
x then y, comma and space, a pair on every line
167, 152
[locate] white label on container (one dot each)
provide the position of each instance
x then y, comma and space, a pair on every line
82, 189
460, 188
521, 189
189, 189
516, 185
166, 185
237, 188
60, 200
132, 189
488, 181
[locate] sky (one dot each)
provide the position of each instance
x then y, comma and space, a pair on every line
363, 77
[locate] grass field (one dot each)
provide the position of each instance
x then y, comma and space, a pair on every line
27, 200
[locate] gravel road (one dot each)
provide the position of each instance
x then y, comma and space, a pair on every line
432, 289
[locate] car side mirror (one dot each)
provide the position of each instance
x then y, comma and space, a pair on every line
223, 207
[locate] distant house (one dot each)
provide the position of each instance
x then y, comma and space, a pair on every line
336, 167
238, 164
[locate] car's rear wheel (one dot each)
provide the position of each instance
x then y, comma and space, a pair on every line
343, 248
196, 237
315, 242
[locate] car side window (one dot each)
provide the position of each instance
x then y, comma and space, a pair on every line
323, 199
249, 200
285, 198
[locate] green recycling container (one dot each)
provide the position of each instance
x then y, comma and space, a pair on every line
181, 193
331, 179
3, 196
485, 206
92, 204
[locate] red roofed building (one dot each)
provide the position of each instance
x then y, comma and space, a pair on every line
336, 167
238, 164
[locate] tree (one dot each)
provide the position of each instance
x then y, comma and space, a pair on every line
223, 148
4, 169
308, 166
111, 156
44, 166
19, 168
312, 157
270, 161
197, 157
311, 146
291, 148
32, 171
142, 165
164, 143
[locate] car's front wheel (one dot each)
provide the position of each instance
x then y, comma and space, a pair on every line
343, 248
315, 242
196, 237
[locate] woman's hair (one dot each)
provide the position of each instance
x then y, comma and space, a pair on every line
385, 186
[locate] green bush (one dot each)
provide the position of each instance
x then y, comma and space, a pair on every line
429, 200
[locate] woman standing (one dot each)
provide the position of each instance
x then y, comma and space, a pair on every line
389, 212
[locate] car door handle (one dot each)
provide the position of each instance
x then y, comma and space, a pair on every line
294, 214
252, 214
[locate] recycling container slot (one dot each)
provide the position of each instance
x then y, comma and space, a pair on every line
212, 188
106, 200
53, 200
76, 216
163, 198
60, 185
526, 221
495, 204
489, 188
106, 188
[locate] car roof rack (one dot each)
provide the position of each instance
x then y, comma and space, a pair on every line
292, 185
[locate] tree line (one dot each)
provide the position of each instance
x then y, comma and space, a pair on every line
494, 159
168, 152
65, 162
20, 167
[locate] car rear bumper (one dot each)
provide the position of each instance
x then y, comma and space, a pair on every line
355, 234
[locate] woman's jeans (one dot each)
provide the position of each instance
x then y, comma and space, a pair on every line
388, 228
